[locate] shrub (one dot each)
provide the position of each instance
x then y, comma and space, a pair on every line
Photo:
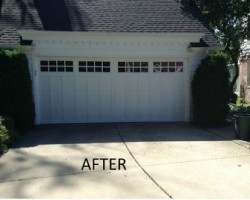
8, 135
210, 91
15, 89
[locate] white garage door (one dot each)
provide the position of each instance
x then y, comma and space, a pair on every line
90, 90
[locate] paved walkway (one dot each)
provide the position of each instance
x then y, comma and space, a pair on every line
163, 160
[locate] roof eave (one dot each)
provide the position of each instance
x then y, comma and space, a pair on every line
32, 34
206, 49
15, 46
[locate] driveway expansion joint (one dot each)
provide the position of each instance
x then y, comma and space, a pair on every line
147, 174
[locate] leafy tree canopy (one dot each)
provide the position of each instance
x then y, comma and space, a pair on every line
230, 21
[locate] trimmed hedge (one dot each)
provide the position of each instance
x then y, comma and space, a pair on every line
15, 89
8, 135
210, 91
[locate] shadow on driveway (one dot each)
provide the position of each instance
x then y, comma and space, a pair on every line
102, 133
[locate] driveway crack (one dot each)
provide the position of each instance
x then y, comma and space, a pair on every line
141, 167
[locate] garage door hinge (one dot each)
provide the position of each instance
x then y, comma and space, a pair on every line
35, 72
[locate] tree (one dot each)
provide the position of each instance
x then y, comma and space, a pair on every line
230, 21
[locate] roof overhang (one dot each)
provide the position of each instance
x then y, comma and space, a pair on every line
34, 34
204, 49
15, 46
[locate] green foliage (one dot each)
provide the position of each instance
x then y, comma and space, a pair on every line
230, 21
15, 88
239, 108
8, 135
210, 90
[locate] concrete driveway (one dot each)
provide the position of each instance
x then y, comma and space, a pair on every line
163, 160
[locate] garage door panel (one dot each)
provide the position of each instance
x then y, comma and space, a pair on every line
106, 105
132, 114
119, 106
132, 83
45, 99
132, 99
93, 105
57, 98
105, 98
143, 83
155, 83
105, 83
119, 96
119, 83
155, 106
93, 98
82, 98
45, 83
69, 107
143, 99
93, 83
143, 114
144, 106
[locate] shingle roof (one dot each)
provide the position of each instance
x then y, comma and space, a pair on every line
9, 37
161, 16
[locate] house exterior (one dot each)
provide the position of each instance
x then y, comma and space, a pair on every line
108, 60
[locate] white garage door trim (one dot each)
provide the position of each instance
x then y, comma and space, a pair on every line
120, 77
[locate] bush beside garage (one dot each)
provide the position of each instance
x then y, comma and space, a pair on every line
17, 111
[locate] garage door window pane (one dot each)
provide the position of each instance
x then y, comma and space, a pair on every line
98, 69
52, 63
44, 63
44, 66
94, 66
98, 64
179, 67
60, 63
52, 69
69, 63
82, 69
132, 67
69, 69
91, 69
121, 64
157, 66
60, 69
82, 63
106, 69
90, 64
165, 67
106, 64
44, 69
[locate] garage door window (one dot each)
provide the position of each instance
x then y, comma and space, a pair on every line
167, 67
132, 67
56, 66
94, 66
